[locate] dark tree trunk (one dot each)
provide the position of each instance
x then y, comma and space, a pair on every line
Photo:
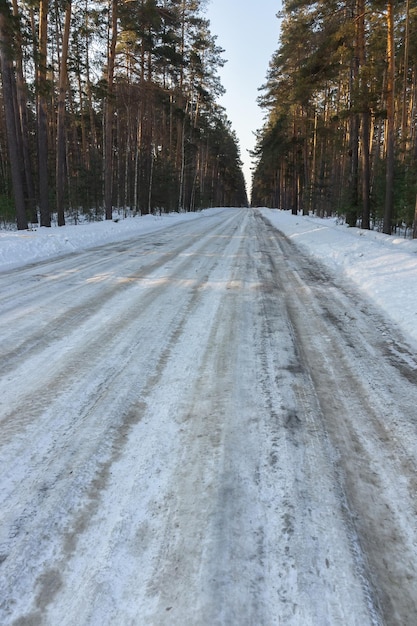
352, 214
389, 191
22, 121
10, 97
108, 129
61, 147
365, 116
43, 116
415, 221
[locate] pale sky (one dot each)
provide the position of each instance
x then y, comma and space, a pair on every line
248, 31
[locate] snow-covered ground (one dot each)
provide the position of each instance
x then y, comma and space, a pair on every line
201, 425
383, 267
19, 248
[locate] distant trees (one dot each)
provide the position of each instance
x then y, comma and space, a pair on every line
114, 104
341, 96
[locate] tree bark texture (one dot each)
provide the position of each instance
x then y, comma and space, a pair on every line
10, 98
390, 130
61, 144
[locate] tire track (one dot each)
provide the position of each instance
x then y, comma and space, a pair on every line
74, 442
366, 413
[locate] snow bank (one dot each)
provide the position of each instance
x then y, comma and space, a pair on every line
383, 267
19, 248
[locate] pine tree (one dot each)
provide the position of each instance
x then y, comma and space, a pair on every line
12, 116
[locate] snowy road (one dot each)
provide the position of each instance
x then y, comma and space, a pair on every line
199, 427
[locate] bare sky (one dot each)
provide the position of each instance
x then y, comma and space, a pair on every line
249, 33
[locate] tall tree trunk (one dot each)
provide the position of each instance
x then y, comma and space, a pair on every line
60, 139
85, 146
415, 221
182, 165
152, 159
389, 192
365, 115
9, 97
354, 166
354, 124
404, 112
108, 129
89, 90
413, 115
42, 114
23, 122
313, 164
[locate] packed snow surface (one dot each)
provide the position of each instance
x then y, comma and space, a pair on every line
384, 267
205, 421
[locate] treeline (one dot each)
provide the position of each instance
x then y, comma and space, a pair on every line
341, 129
111, 103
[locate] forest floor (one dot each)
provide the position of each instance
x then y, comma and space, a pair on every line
203, 426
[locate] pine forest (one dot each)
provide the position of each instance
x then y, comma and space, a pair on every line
111, 103
340, 132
